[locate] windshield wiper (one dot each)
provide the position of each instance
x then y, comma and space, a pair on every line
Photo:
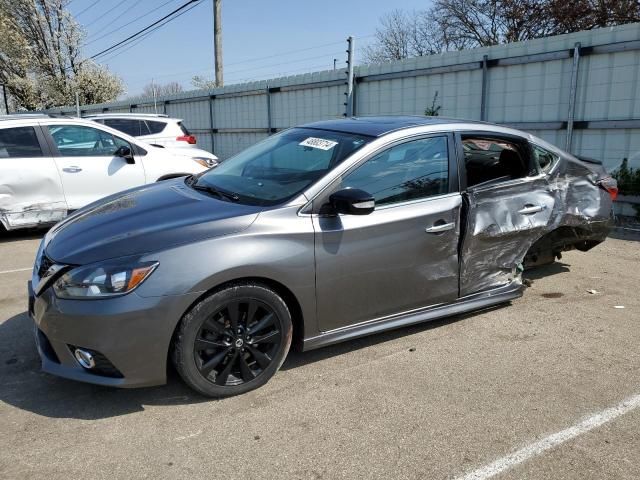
216, 191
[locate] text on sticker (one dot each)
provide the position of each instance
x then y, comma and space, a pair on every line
320, 143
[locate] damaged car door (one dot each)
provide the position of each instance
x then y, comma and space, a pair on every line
89, 164
509, 206
30, 188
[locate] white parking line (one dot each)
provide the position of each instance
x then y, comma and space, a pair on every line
553, 440
16, 270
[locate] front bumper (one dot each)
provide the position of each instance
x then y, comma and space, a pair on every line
131, 332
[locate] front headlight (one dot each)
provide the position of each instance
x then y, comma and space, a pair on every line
205, 162
102, 280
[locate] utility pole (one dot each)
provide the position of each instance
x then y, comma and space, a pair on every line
334, 63
349, 93
77, 105
217, 41
155, 97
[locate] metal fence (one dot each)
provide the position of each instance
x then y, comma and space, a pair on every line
580, 91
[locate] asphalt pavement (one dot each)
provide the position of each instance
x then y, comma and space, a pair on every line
546, 387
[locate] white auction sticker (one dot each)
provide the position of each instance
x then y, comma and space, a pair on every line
320, 143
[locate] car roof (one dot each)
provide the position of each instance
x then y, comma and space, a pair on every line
135, 116
381, 125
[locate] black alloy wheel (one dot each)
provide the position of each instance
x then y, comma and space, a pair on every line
233, 341
237, 343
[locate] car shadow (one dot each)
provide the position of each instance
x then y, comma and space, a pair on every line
25, 387
297, 359
554, 268
22, 234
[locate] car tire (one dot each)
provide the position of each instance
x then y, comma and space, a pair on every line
233, 341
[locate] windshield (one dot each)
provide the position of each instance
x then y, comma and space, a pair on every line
281, 166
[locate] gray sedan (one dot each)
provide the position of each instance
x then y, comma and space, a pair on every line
318, 234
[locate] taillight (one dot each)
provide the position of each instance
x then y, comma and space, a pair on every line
190, 139
610, 185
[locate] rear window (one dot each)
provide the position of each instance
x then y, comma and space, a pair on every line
19, 142
155, 127
130, 126
183, 128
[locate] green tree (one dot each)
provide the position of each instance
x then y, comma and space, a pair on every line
628, 179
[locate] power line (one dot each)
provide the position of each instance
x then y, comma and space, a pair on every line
120, 27
102, 16
90, 6
332, 55
284, 53
133, 42
138, 33
281, 54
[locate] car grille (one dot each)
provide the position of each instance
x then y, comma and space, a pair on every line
45, 264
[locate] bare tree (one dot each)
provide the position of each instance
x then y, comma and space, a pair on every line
40, 60
460, 24
170, 88
402, 35
202, 83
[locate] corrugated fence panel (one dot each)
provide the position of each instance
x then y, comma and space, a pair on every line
526, 83
535, 92
458, 95
291, 108
228, 144
609, 86
147, 108
610, 146
249, 111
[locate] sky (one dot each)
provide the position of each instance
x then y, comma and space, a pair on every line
261, 39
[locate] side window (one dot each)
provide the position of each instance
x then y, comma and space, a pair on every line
544, 158
409, 171
19, 142
493, 160
155, 127
81, 141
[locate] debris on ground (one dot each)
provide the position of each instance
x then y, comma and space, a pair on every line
592, 291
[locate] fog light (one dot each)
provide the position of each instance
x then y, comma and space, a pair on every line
84, 358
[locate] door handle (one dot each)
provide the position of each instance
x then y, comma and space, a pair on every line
72, 169
529, 209
442, 227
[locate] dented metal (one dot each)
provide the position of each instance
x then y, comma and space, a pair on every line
505, 221
31, 194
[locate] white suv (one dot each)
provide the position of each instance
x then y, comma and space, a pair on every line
156, 129
50, 166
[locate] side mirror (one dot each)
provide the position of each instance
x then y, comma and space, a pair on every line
125, 152
352, 201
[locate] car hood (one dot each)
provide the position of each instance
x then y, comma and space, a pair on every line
144, 219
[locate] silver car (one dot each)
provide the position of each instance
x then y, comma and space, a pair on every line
319, 234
